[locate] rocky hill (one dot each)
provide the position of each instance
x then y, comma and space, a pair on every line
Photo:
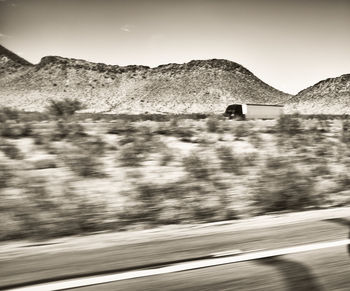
11, 63
330, 96
206, 86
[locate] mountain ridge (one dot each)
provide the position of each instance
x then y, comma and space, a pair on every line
4, 52
328, 96
198, 86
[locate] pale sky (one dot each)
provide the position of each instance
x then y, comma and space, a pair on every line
288, 44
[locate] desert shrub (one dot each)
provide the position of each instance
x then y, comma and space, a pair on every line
166, 158
324, 150
324, 125
344, 181
241, 130
43, 214
26, 130
7, 113
173, 129
6, 130
39, 139
64, 108
144, 204
229, 163
5, 176
137, 147
183, 133
302, 143
15, 130
255, 139
196, 166
83, 214
213, 125
122, 127
281, 186
11, 151
149, 196
145, 134
127, 139
345, 134
176, 202
320, 169
249, 159
91, 145
194, 116
164, 129
289, 125
70, 130
84, 164
44, 164
174, 122
133, 154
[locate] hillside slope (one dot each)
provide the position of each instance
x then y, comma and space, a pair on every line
198, 86
330, 96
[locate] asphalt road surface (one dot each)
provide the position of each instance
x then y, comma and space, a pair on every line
325, 269
315, 270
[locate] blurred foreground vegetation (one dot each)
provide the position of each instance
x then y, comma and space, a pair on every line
63, 173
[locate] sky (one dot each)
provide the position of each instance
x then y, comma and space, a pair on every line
289, 44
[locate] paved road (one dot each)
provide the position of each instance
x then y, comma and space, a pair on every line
317, 270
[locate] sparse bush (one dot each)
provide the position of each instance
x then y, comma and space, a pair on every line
213, 125
7, 113
144, 204
345, 135
255, 139
64, 108
15, 130
282, 186
11, 151
39, 139
44, 214
174, 122
84, 164
321, 169
91, 145
6, 130
344, 181
133, 154
289, 125
184, 133
323, 125
44, 164
174, 203
229, 163
197, 167
241, 130
127, 139
166, 158
249, 160
71, 130
122, 127
5, 176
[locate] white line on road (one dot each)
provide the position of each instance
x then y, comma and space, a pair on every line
186, 266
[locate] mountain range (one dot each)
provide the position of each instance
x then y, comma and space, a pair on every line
205, 86
330, 96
